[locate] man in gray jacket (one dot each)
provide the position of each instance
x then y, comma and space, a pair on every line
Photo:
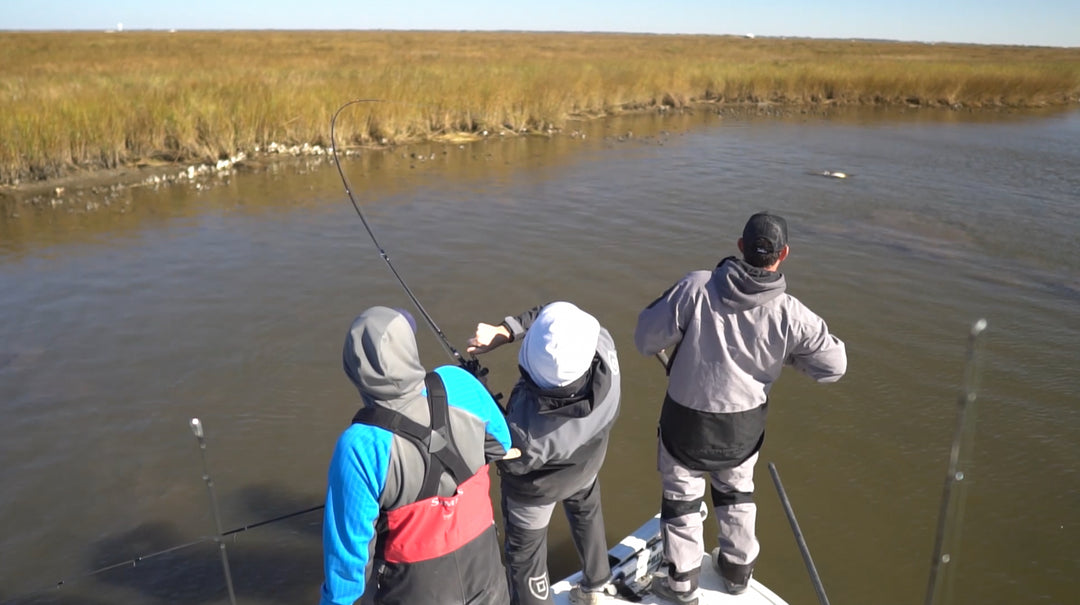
560, 414
729, 331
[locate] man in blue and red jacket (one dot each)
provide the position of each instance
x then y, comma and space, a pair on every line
408, 494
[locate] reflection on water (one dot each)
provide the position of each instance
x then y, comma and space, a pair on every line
104, 212
229, 302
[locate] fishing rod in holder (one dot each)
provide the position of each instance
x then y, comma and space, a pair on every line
197, 429
472, 364
218, 536
939, 586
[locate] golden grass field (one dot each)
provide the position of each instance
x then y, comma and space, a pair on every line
88, 100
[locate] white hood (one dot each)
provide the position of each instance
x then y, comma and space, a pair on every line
559, 346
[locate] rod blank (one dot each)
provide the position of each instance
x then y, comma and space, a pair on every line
197, 429
951, 513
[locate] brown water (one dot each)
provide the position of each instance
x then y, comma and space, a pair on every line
230, 303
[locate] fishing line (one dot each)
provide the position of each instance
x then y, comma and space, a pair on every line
472, 364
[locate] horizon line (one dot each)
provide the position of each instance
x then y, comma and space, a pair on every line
122, 30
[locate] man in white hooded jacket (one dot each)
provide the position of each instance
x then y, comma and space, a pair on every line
560, 414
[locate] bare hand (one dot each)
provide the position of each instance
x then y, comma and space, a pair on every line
487, 338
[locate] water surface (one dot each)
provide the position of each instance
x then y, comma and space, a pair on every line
230, 303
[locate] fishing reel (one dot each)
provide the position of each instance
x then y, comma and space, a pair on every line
472, 366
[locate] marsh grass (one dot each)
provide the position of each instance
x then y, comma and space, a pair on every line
80, 100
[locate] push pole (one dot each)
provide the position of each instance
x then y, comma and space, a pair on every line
799, 540
197, 429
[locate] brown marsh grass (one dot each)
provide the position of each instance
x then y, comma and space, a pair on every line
81, 100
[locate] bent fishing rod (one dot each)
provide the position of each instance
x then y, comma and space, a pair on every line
472, 364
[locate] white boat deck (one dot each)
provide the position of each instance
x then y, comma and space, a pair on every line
639, 555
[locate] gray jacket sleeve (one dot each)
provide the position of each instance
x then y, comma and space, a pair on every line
662, 324
817, 353
519, 324
524, 463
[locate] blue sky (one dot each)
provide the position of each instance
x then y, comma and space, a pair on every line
1034, 22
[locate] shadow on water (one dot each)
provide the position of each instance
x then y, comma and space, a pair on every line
188, 575
271, 559
264, 500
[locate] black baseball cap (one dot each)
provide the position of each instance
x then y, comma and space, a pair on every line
764, 233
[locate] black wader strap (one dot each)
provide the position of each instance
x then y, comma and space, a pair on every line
445, 452
396, 423
440, 454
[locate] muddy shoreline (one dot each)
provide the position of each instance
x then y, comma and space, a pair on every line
87, 189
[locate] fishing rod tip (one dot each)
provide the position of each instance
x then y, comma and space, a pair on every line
196, 427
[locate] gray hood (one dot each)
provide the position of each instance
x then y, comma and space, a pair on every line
742, 286
381, 359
